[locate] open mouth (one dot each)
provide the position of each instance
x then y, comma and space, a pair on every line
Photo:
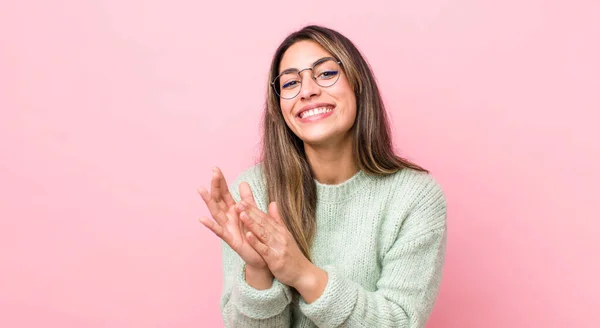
315, 111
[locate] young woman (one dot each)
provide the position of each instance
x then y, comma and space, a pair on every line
330, 228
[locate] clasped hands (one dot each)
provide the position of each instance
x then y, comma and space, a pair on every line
261, 239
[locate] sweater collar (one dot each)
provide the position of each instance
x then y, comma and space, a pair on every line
342, 191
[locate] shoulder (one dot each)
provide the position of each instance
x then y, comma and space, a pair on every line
252, 174
421, 187
416, 202
412, 186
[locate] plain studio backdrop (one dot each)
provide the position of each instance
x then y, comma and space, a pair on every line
114, 112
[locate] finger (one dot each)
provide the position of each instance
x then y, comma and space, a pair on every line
213, 207
256, 227
264, 219
273, 211
233, 214
218, 230
272, 217
258, 246
275, 230
212, 226
225, 194
246, 193
215, 189
274, 214
272, 222
219, 189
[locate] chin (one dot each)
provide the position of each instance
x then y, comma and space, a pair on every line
315, 135
322, 139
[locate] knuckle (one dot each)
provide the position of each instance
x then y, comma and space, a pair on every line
264, 235
280, 264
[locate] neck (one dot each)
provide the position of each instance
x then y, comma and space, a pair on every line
332, 163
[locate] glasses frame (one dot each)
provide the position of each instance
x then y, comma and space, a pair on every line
318, 62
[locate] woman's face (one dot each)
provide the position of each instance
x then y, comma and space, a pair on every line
317, 115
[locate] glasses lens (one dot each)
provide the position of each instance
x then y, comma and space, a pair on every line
288, 85
327, 73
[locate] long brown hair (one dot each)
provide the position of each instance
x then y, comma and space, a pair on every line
288, 175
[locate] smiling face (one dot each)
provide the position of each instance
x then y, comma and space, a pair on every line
317, 115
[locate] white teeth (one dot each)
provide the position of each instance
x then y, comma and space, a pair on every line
315, 111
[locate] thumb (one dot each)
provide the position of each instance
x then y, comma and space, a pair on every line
274, 212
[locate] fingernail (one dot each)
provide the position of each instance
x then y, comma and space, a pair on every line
241, 206
243, 215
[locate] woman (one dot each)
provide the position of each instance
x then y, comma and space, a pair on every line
331, 228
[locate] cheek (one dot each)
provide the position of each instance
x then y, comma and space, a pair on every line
346, 93
286, 109
350, 105
286, 106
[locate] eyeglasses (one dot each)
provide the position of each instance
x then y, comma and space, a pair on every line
325, 72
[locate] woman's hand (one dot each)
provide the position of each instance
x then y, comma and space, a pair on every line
269, 236
226, 224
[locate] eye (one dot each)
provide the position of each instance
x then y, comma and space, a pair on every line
328, 75
290, 84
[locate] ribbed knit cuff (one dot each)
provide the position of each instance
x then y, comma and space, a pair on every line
335, 304
259, 304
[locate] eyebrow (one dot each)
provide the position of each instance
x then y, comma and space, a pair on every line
316, 62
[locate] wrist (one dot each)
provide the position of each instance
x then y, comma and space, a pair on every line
312, 283
258, 278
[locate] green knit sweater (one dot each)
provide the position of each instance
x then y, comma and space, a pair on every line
380, 239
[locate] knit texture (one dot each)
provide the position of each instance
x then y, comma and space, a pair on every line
380, 239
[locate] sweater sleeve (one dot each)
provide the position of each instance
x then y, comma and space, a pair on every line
409, 282
243, 306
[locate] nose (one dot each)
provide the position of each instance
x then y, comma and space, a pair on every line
310, 88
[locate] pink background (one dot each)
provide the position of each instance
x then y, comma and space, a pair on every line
113, 113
